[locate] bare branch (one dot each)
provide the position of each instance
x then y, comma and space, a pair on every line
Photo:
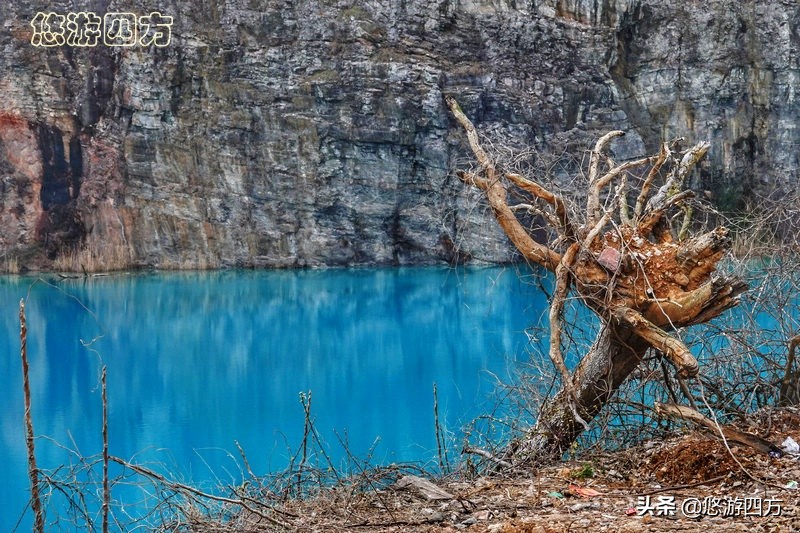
189, 490
472, 134
677, 176
532, 209
624, 211
675, 350
556, 312
472, 179
654, 215
497, 195
648, 182
616, 171
597, 185
688, 211
600, 145
595, 231
33, 470
487, 455
536, 190
597, 228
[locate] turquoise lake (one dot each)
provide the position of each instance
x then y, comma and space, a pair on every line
199, 361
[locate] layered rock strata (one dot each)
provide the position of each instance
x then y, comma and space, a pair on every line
285, 134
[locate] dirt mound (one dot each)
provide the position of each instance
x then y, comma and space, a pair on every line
697, 459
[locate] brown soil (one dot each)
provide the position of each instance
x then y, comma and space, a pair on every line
550, 500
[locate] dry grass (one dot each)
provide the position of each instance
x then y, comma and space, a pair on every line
11, 264
95, 257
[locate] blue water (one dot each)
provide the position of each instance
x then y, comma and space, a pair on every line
197, 361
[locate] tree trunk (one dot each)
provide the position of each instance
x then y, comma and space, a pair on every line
640, 276
616, 352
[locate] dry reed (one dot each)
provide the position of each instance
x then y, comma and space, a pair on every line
33, 471
94, 257
106, 488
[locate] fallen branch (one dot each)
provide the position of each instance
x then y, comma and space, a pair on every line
734, 435
180, 487
684, 486
486, 455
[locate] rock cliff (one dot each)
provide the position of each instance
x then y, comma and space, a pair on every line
275, 133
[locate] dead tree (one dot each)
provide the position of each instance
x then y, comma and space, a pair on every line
641, 276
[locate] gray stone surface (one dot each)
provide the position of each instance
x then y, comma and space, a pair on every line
281, 133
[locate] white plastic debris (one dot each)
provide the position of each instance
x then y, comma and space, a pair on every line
790, 446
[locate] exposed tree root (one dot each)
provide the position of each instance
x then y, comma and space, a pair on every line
641, 276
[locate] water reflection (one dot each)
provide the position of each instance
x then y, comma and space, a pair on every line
198, 360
